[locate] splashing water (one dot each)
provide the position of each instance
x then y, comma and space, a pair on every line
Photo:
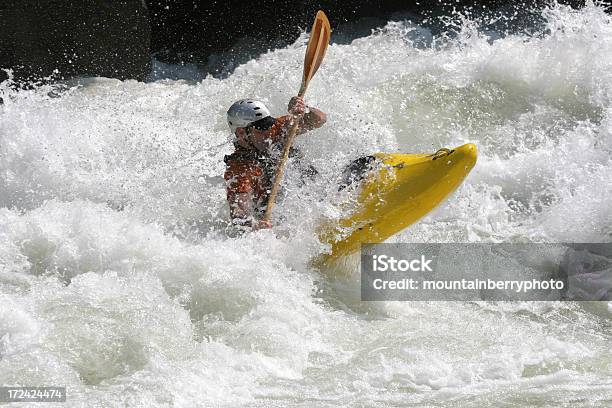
118, 278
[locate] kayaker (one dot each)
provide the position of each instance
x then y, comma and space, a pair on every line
258, 141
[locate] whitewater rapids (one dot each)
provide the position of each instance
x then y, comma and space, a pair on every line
120, 280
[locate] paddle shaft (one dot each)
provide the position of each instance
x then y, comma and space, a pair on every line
281, 164
315, 52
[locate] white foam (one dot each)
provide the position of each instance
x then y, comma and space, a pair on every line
117, 274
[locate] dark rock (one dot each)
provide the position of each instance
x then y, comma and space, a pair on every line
186, 31
64, 39
115, 38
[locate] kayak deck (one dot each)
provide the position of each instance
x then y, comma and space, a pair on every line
398, 190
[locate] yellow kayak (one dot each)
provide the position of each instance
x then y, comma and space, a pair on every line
398, 190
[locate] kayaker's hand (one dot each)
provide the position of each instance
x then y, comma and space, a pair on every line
296, 106
261, 224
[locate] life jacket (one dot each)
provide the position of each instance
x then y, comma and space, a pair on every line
252, 166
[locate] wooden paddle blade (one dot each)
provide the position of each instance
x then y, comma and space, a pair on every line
315, 51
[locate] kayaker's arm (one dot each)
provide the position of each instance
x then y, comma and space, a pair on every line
312, 118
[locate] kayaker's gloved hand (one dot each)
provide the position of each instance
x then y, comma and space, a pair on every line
261, 224
297, 106
249, 224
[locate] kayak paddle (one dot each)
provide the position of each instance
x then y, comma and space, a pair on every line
315, 51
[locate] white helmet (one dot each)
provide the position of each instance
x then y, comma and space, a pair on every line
244, 112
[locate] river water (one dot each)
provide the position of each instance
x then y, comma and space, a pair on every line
120, 279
